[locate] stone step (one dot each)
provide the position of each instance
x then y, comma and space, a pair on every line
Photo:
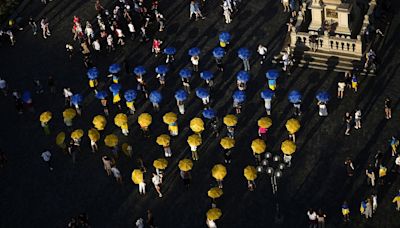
326, 53
325, 67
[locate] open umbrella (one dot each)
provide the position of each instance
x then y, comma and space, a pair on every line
239, 96
115, 88
323, 96
77, 134
163, 140
294, 96
250, 173
137, 176
155, 97
194, 140
162, 69
130, 95
264, 122
120, 119
144, 120
101, 94
208, 113
224, 37
139, 70
214, 214
206, 75
267, 94
243, 76
258, 146
185, 73
292, 126
160, 163
218, 52
185, 165
45, 117
181, 95
218, 172
230, 120
99, 122
94, 135
197, 125
111, 140
244, 53
202, 92
215, 193
272, 74
60, 138
170, 51
288, 147
26, 96
227, 143
76, 99
93, 73
194, 51
69, 113
170, 118
114, 68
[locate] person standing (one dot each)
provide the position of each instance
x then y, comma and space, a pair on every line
345, 212
107, 164
321, 217
394, 143
357, 118
349, 167
227, 13
396, 200
262, 51
195, 156
156, 179
3, 159
312, 218
150, 219
340, 90
388, 108
33, 25
285, 4
3, 86
117, 174
370, 175
195, 62
347, 120
368, 209
46, 156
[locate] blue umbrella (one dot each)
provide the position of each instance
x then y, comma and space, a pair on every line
218, 52
294, 96
181, 95
26, 96
162, 69
244, 53
92, 73
76, 99
155, 97
114, 68
185, 73
243, 76
239, 96
115, 88
267, 94
208, 113
130, 95
224, 37
202, 92
194, 51
206, 75
101, 94
169, 51
139, 70
323, 96
272, 74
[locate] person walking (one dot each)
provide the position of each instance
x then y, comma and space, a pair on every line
107, 164
370, 173
368, 209
3, 86
185, 175
226, 13
195, 62
262, 51
347, 120
321, 217
388, 108
349, 167
157, 179
142, 188
195, 156
357, 118
340, 90
394, 143
117, 174
44, 24
285, 4
46, 156
345, 212
354, 83
312, 218
33, 25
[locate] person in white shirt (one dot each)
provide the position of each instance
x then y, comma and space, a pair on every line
96, 45
139, 223
340, 89
195, 156
285, 4
195, 62
89, 32
211, 224
67, 95
357, 119
312, 216
227, 13
120, 37
157, 179
117, 174
132, 30
46, 155
110, 43
142, 188
262, 51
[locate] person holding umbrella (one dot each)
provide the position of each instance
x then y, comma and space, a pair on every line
102, 96
295, 99
139, 71
204, 95
219, 173
155, 98
207, 76
115, 88
288, 147
214, 193
144, 121
121, 120
224, 38
267, 95
76, 100
160, 165
230, 121
272, 75
94, 136
130, 96
323, 98
238, 98
99, 122
292, 126
258, 147
161, 71
137, 178
212, 215
195, 58
241, 79
227, 144
170, 52
244, 54
164, 141
185, 165
194, 141
171, 118
44, 118
263, 124
180, 96
92, 74
209, 113
250, 173
68, 115
218, 54
185, 75
114, 70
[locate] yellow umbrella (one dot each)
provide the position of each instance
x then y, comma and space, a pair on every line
144, 120
230, 120
99, 122
60, 138
120, 119
288, 147
197, 125
227, 143
258, 146
214, 214
170, 118
215, 193
160, 163
250, 173
264, 122
218, 172
137, 176
69, 113
45, 117
111, 140
292, 126
163, 140
77, 134
194, 140
185, 164
94, 135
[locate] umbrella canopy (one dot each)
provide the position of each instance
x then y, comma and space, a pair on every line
162, 69
288, 147
243, 76
99, 122
120, 119
292, 126
227, 143
244, 53
137, 176
170, 51
115, 88
294, 96
194, 140
94, 135
197, 125
224, 37
185, 165
155, 97
76, 99
202, 92
144, 120
45, 117
163, 140
208, 113
215, 193
130, 95
323, 96
250, 173
218, 172
170, 118
26, 96
214, 214
93, 73
160, 163
239, 96
267, 94
264, 122
258, 146
218, 52
181, 95
230, 120
185, 73
77, 134
69, 113
114, 68
194, 51
101, 94
111, 140
272, 74
206, 75
60, 138
139, 70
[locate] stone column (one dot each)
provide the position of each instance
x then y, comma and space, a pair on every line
316, 15
343, 11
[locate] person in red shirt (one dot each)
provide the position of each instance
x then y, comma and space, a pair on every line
156, 46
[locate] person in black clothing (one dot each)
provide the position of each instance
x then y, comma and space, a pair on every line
214, 126
227, 156
150, 219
